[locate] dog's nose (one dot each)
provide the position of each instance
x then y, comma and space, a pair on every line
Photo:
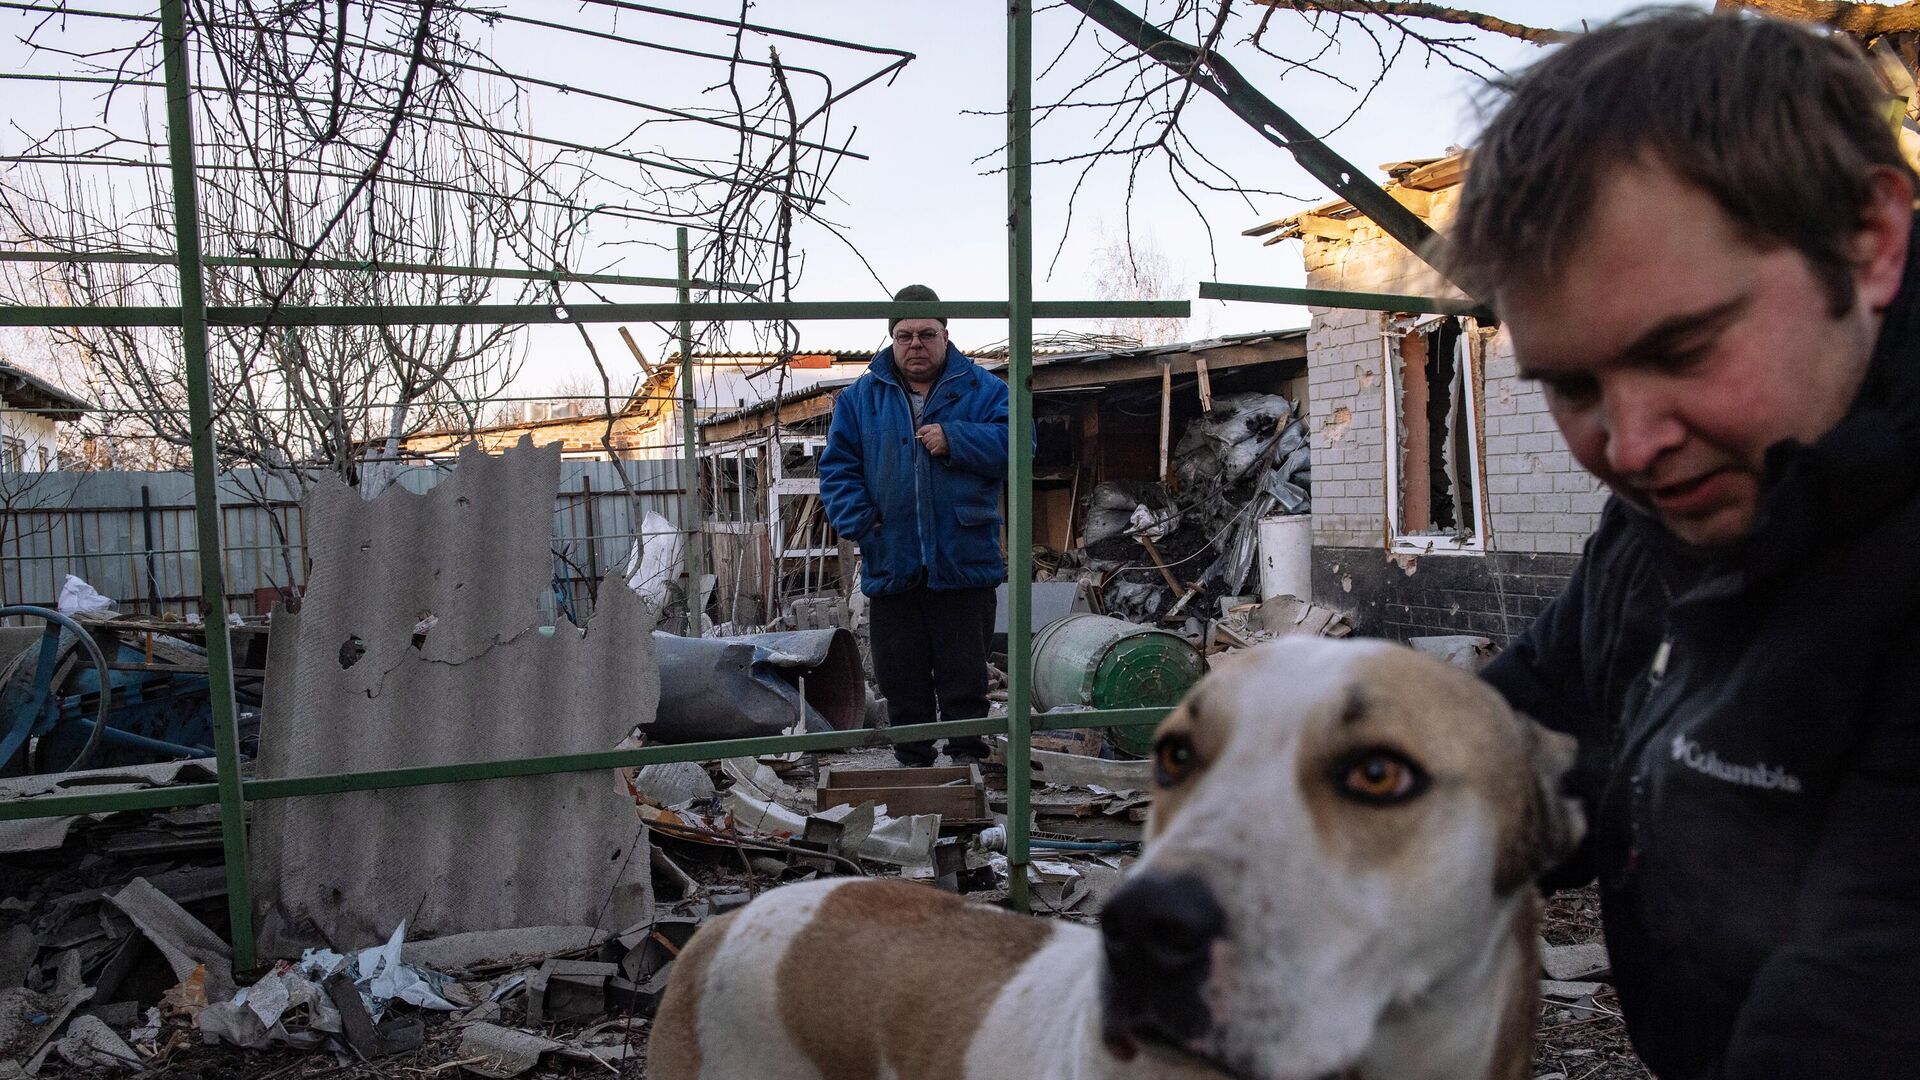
1159, 930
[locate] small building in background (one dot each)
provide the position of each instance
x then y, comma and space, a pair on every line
645, 426
31, 410
1445, 500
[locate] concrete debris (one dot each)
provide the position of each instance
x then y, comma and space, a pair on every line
1576, 963
488, 682
494, 1051
675, 785
460, 952
90, 1044
568, 990
1556, 990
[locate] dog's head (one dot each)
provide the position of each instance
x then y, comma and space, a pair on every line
1337, 828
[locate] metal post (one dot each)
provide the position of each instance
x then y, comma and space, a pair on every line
153, 573
1019, 441
593, 543
206, 492
690, 485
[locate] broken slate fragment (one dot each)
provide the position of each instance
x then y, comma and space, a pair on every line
494, 1051
90, 1044
1554, 990
1576, 963
184, 940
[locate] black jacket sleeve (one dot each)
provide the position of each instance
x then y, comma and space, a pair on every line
1842, 997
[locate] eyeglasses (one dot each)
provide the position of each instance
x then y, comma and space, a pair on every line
924, 337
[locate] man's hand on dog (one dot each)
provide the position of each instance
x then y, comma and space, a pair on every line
934, 439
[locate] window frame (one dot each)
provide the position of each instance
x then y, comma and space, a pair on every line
1469, 353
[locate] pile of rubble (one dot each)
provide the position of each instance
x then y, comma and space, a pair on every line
119, 964
1156, 550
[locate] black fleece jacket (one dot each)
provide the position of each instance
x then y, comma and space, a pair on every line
1750, 753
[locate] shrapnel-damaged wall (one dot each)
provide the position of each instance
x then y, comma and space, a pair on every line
1539, 505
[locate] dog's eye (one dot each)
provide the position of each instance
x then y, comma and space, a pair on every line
1173, 759
1380, 777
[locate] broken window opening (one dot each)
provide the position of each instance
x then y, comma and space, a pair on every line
1434, 459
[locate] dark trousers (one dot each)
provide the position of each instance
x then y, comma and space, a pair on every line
930, 657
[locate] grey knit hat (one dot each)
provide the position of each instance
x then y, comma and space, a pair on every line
913, 292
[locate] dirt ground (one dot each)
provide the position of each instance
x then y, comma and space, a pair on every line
1593, 1048
1570, 1048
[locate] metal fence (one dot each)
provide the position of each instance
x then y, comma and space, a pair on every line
194, 316
131, 535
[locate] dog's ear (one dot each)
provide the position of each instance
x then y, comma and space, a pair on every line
1551, 821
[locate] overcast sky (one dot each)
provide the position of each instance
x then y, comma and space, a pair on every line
923, 209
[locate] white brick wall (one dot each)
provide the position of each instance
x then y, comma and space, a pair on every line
1538, 499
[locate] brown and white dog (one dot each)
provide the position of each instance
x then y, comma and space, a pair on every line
1338, 883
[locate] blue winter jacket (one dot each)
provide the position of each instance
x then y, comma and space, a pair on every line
919, 519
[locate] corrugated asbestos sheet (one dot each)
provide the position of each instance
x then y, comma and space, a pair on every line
485, 683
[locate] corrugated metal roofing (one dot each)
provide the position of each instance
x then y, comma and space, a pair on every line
474, 555
1040, 359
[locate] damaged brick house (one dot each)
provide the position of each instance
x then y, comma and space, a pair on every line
1445, 501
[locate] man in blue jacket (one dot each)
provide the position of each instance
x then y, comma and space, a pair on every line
912, 472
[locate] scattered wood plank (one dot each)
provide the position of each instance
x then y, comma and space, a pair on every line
1166, 416
1154, 554
634, 348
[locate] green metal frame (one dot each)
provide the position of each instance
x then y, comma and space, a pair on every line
1355, 301
560, 314
231, 793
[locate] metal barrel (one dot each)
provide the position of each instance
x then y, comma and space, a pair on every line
1108, 663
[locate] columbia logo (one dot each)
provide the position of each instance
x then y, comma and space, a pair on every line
1707, 763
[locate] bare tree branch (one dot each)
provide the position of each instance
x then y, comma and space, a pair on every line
1863, 20
1400, 9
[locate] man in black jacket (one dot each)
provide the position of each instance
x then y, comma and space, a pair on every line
1696, 230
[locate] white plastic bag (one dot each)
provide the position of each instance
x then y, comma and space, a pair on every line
654, 562
79, 598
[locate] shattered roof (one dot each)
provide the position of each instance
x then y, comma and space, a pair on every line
1422, 175
1048, 359
1088, 356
